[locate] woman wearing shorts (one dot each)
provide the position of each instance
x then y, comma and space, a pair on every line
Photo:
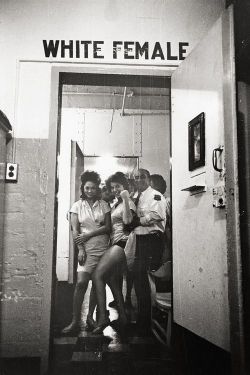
91, 226
114, 258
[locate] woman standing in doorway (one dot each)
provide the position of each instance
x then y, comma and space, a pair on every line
91, 225
110, 266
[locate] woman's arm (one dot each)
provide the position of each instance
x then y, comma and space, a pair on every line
104, 229
75, 232
127, 214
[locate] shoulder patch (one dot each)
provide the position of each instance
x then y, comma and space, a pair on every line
157, 197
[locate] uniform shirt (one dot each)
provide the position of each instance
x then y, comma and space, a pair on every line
151, 210
92, 218
118, 233
168, 212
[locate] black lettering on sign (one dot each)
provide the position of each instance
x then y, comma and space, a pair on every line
51, 48
182, 50
86, 47
97, 49
116, 48
78, 49
127, 49
157, 52
65, 46
141, 50
169, 56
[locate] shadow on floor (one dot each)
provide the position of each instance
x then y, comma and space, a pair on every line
110, 353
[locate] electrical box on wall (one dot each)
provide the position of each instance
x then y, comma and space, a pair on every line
219, 197
11, 172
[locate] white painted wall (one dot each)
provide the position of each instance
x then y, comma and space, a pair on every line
106, 132
156, 146
145, 136
200, 275
32, 101
25, 24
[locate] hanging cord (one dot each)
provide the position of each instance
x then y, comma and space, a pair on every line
123, 101
111, 124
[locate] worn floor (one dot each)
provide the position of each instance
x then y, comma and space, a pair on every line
132, 354
110, 353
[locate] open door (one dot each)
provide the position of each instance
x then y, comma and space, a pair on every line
77, 167
200, 258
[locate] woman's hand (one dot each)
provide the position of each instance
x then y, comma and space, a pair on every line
81, 238
124, 194
82, 257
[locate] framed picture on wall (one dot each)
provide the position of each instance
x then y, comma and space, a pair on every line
196, 142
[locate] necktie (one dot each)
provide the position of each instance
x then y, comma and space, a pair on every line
137, 200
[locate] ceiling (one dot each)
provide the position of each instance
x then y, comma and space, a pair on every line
113, 97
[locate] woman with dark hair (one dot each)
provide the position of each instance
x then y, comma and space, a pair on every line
91, 225
106, 195
114, 258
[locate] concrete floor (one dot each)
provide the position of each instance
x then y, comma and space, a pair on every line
110, 353
132, 354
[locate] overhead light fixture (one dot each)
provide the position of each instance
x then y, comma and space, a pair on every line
106, 165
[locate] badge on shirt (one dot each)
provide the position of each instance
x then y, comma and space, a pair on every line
157, 197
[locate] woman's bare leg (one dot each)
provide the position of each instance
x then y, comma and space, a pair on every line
116, 288
120, 281
90, 322
92, 301
114, 256
80, 290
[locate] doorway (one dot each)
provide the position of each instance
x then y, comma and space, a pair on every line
108, 123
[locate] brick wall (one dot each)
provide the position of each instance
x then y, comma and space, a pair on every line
2, 186
24, 260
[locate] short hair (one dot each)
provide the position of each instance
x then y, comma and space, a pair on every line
159, 183
118, 177
90, 176
145, 171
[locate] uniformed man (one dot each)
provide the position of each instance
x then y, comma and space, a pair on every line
151, 212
